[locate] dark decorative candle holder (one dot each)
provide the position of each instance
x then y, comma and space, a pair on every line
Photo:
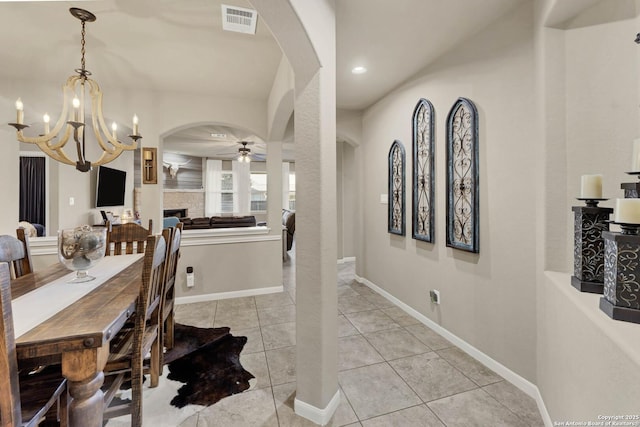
588, 263
631, 189
621, 300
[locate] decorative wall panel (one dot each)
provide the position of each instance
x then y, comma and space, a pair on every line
396, 189
423, 172
462, 177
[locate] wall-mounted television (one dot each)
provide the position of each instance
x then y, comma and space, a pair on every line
110, 187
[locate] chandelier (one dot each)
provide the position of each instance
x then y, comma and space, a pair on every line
79, 90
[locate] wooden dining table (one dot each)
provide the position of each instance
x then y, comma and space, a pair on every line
78, 336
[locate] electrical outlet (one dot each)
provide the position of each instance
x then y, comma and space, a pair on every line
190, 278
435, 296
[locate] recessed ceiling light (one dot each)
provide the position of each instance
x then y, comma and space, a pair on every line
359, 70
218, 135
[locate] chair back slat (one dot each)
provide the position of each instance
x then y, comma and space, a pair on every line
24, 266
173, 255
152, 279
10, 409
125, 236
16, 252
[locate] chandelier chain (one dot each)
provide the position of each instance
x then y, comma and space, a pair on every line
82, 49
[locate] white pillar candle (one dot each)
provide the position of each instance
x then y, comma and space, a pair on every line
76, 109
635, 157
19, 111
46, 120
135, 124
591, 187
627, 211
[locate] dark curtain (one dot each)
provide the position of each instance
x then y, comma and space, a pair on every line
32, 190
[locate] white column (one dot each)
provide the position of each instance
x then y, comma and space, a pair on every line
274, 187
317, 394
242, 187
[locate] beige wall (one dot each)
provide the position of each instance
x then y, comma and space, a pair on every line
601, 105
229, 266
488, 300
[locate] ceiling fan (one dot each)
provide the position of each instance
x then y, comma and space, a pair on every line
245, 155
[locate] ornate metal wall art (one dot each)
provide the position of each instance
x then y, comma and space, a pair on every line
462, 177
588, 259
396, 189
423, 172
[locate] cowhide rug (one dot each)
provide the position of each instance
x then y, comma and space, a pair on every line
207, 360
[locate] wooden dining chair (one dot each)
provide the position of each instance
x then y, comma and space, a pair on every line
25, 399
125, 236
129, 347
16, 252
167, 320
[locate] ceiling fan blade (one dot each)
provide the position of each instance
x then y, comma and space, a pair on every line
258, 157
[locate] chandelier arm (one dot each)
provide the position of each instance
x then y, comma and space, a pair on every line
59, 145
44, 141
98, 121
54, 153
58, 155
107, 157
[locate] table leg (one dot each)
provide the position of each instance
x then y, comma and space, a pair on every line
83, 371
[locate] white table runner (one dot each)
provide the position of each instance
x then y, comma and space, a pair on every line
33, 308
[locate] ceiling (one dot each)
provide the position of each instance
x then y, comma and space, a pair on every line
180, 46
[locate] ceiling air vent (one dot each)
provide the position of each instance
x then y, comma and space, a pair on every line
239, 19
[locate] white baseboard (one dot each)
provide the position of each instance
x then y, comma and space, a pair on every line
231, 294
523, 384
346, 259
317, 415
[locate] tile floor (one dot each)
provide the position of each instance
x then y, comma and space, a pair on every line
393, 370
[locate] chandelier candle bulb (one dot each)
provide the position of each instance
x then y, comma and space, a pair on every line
114, 128
76, 109
135, 124
591, 187
46, 120
19, 111
627, 211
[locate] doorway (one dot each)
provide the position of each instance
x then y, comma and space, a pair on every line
33, 191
